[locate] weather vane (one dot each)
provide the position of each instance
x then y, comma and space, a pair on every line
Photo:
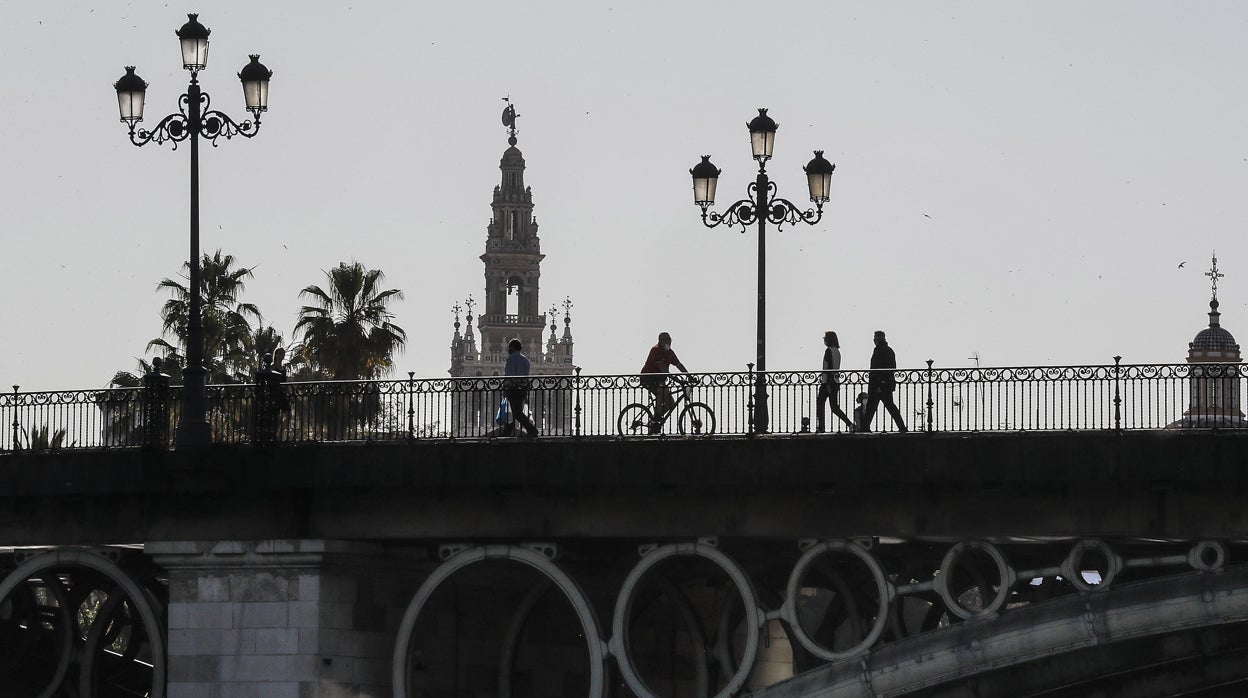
1214, 275
509, 120
455, 309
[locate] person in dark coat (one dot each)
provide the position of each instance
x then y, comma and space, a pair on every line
882, 383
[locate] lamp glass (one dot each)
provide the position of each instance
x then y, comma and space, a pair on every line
820, 186
130, 104
194, 53
761, 143
256, 93
704, 190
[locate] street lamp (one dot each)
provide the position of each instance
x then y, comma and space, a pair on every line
763, 205
195, 119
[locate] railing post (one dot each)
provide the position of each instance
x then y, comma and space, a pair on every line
750, 402
411, 410
576, 410
1117, 394
930, 403
17, 424
155, 408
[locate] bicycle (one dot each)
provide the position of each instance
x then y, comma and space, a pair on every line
694, 418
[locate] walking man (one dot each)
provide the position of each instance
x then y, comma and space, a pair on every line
882, 383
516, 390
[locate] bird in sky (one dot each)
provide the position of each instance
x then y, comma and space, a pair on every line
1181, 264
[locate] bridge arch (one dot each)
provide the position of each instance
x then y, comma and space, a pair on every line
132, 597
537, 561
754, 617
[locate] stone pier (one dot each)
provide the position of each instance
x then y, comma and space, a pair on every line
283, 618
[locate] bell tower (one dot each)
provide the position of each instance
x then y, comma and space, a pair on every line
512, 309
513, 258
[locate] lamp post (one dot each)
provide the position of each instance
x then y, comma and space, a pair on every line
195, 119
762, 206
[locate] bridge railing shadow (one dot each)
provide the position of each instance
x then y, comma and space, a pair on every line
930, 399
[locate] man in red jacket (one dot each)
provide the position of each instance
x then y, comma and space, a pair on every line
660, 359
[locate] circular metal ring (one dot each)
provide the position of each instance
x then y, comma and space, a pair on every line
59, 558
1004, 573
571, 591
1072, 566
623, 605
884, 592
1207, 556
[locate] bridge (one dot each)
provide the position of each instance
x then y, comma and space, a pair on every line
1039, 531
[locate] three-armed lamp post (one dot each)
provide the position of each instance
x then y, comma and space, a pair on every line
763, 205
195, 119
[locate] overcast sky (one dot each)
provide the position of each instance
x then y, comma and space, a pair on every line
1017, 180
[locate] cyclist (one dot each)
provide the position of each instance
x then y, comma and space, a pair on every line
660, 360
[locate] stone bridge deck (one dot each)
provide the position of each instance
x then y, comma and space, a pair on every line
356, 568
1157, 485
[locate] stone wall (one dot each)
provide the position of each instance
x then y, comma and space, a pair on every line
283, 618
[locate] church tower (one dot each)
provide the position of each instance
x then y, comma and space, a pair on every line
513, 258
1213, 358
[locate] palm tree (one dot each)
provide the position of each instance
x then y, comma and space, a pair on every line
347, 331
229, 351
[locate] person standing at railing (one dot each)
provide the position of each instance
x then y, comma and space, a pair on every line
284, 408
830, 383
882, 383
660, 360
516, 389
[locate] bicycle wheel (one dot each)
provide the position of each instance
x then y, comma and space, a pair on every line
634, 420
696, 418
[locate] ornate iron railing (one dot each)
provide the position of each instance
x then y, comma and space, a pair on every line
931, 399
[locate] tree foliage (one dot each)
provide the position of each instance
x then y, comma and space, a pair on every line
346, 331
229, 343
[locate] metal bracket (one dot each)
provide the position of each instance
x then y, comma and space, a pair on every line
550, 551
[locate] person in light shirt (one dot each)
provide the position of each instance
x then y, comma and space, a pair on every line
516, 390
830, 383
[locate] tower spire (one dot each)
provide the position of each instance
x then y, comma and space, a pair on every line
468, 328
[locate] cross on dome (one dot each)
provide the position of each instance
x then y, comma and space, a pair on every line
1214, 275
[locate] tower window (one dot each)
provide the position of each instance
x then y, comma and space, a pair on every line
513, 297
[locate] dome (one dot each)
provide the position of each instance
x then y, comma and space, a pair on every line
1214, 339
513, 157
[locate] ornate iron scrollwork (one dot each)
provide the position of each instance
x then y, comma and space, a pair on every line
176, 128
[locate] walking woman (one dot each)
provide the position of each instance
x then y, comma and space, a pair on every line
830, 383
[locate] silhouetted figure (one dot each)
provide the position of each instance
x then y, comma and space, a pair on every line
266, 416
860, 412
830, 383
516, 389
282, 400
660, 360
882, 383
